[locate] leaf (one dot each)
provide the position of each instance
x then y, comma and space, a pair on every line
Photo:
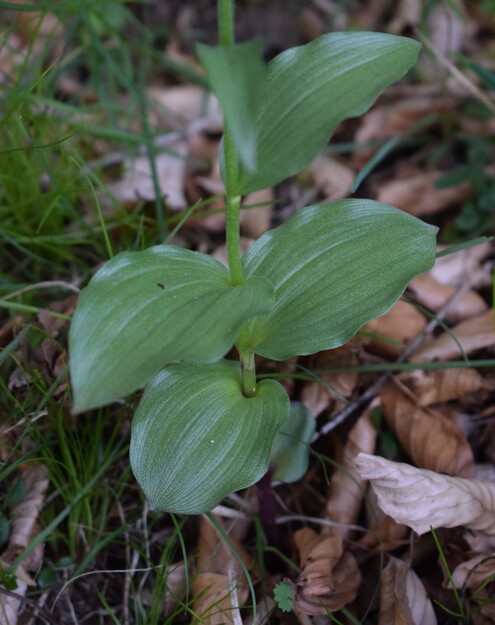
235, 74
403, 597
329, 578
307, 91
196, 438
431, 439
143, 310
333, 267
420, 498
290, 452
284, 596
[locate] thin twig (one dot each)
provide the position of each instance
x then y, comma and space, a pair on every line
370, 393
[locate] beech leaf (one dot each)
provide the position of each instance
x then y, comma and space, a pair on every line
313, 88
196, 438
143, 310
420, 498
333, 267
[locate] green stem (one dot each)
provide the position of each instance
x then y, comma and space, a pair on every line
248, 369
225, 10
232, 198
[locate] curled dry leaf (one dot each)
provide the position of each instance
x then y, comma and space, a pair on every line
472, 334
418, 195
431, 439
136, 184
420, 498
215, 601
25, 514
331, 177
432, 294
403, 598
346, 487
329, 578
433, 387
455, 269
400, 325
318, 396
475, 571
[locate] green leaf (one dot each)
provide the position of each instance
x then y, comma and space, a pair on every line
144, 310
307, 91
290, 452
235, 74
196, 438
283, 594
333, 267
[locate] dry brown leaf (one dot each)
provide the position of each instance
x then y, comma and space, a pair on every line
418, 195
329, 578
455, 269
214, 555
475, 571
420, 498
184, 104
331, 177
215, 602
391, 120
401, 324
318, 396
432, 294
433, 387
346, 487
386, 535
431, 439
24, 515
403, 597
472, 334
136, 183
256, 221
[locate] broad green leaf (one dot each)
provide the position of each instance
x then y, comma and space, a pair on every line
143, 310
290, 452
235, 74
307, 91
196, 438
333, 267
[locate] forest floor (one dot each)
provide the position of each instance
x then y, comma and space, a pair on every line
110, 142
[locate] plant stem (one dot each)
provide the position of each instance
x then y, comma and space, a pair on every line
248, 370
232, 198
225, 9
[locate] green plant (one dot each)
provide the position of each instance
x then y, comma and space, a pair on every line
166, 317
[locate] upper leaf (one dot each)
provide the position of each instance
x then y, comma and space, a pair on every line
307, 91
196, 438
333, 267
235, 75
143, 310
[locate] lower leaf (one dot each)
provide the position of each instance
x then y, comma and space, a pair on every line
196, 438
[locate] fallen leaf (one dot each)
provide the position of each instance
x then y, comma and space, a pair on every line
400, 325
419, 196
214, 602
256, 221
433, 387
346, 487
431, 439
455, 269
176, 107
473, 334
432, 294
331, 177
136, 183
403, 597
329, 578
475, 571
422, 499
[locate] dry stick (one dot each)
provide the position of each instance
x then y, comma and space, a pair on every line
368, 395
455, 72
